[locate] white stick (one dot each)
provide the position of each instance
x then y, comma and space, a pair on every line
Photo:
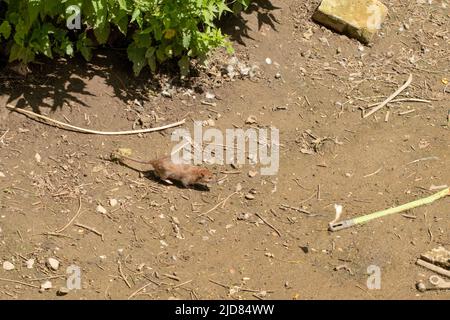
104, 133
433, 267
402, 100
390, 98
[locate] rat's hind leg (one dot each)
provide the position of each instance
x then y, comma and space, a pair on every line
163, 176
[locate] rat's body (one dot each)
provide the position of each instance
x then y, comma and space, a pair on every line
166, 170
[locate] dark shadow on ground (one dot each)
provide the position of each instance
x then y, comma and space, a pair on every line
52, 83
237, 27
55, 83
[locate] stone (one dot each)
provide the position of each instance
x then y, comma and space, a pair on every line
46, 286
101, 209
62, 291
251, 120
249, 196
8, 266
30, 263
252, 173
360, 19
53, 263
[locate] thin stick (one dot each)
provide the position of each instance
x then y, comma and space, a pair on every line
3, 136
90, 229
373, 173
240, 289
285, 206
318, 192
48, 278
312, 196
423, 159
434, 268
83, 130
267, 223
182, 284
140, 289
403, 100
217, 205
122, 275
19, 282
54, 234
390, 98
73, 219
406, 112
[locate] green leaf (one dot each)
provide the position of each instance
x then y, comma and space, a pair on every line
186, 40
142, 39
137, 56
84, 46
121, 21
151, 60
5, 29
21, 54
100, 13
222, 7
34, 7
122, 4
102, 33
136, 16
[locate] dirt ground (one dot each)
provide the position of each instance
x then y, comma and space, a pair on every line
155, 236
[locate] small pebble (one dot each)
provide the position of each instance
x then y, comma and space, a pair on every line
62, 291
38, 158
29, 263
268, 61
8, 266
249, 196
209, 123
421, 287
100, 209
251, 120
252, 173
163, 243
46, 285
140, 267
2, 175
277, 75
210, 95
112, 202
243, 216
53, 263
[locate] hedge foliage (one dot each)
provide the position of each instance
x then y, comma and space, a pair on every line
155, 30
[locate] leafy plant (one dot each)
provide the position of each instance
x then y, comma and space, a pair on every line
156, 30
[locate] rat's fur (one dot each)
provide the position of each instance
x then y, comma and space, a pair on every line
165, 169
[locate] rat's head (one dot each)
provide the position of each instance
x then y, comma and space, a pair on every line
205, 176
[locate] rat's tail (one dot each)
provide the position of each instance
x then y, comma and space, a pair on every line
120, 157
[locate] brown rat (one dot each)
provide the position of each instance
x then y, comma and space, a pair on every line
166, 170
